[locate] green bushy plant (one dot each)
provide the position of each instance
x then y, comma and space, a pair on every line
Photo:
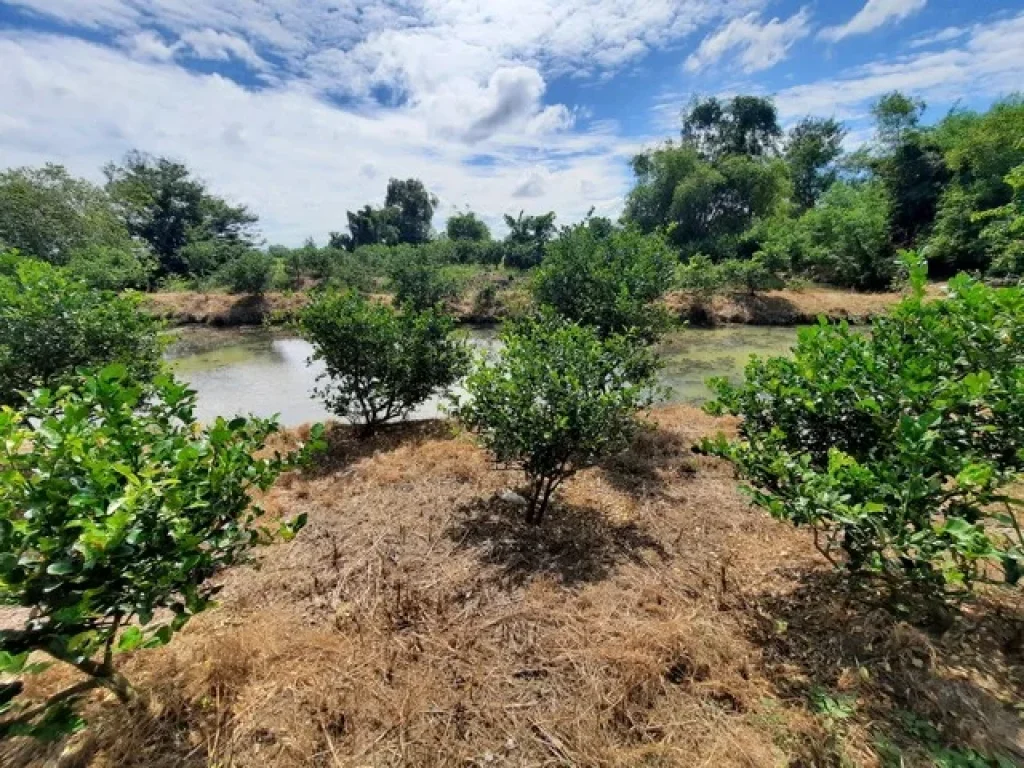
251, 273
895, 447
112, 269
558, 398
381, 363
116, 509
420, 282
51, 324
611, 282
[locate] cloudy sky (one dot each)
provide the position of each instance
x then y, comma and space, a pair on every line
305, 108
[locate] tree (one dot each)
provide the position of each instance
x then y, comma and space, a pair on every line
812, 148
413, 208
419, 282
51, 215
1003, 232
167, 207
915, 175
743, 125
847, 236
610, 283
111, 268
249, 273
51, 325
896, 115
466, 226
380, 363
134, 507
527, 236
895, 446
557, 399
369, 226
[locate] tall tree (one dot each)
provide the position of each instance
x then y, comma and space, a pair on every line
743, 125
413, 208
896, 114
466, 226
812, 148
169, 208
51, 215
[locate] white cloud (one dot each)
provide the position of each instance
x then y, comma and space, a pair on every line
942, 36
988, 64
220, 46
759, 46
297, 159
875, 14
149, 45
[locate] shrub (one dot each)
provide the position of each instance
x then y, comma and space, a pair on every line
609, 282
51, 325
420, 283
380, 363
112, 269
249, 273
115, 504
522, 255
895, 447
557, 398
750, 275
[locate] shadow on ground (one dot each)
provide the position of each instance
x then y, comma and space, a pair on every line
574, 544
346, 445
656, 459
953, 682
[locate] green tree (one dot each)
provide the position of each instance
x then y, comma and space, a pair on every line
380, 364
419, 281
895, 447
466, 226
812, 148
116, 509
249, 273
51, 325
1003, 231
896, 115
49, 214
413, 208
743, 125
557, 399
611, 283
847, 236
527, 236
164, 205
112, 268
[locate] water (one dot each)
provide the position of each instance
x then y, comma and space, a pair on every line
254, 370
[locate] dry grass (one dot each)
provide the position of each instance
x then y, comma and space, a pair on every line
222, 309
655, 619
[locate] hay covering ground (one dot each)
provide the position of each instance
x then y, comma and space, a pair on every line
654, 620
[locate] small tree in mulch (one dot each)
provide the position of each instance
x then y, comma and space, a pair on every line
558, 398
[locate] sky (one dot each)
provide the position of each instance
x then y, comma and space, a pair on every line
303, 109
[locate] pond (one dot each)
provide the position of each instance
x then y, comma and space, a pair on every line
260, 371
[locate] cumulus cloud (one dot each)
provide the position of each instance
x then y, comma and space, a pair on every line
758, 46
875, 14
220, 46
149, 45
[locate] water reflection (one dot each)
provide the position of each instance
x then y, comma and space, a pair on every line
254, 370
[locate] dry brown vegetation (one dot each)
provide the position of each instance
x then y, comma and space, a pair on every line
655, 619
222, 309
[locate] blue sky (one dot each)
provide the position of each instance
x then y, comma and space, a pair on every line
304, 108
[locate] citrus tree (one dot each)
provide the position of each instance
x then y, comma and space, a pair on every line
380, 363
557, 398
895, 447
116, 505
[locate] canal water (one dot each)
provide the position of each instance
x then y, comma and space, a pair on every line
265, 372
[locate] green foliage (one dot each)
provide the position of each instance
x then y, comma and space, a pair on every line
610, 283
115, 504
50, 325
405, 218
1003, 232
112, 269
896, 446
49, 214
380, 363
743, 125
896, 115
557, 399
250, 272
527, 236
419, 282
466, 226
847, 237
165, 206
812, 148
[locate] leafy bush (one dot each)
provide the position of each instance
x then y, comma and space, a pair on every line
466, 226
1004, 231
610, 282
751, 275
420, 283
249, 273
558, 398
50, 325
896, 446
380, 363
112, 269
116, 504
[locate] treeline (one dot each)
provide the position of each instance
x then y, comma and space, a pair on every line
736, 190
